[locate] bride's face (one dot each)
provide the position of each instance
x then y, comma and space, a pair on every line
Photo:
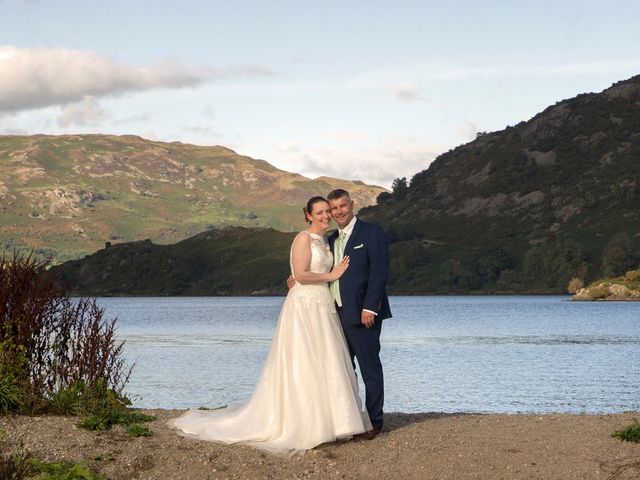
320, 215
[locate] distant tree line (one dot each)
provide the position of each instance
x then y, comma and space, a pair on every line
620, 255
548, 266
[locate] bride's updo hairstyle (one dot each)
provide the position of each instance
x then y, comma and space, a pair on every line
309, 208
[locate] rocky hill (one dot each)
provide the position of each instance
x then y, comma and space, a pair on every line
65, 196
525, 208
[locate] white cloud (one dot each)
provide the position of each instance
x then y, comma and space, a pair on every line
346, 136
287, 147
208, 111
423, 74
139, 118
87, 112
394, 157
12, 130
150, 135
202, 131
467, 130
406, 93
39, 77
409, 93
208, 72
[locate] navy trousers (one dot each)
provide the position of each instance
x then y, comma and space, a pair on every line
364, 345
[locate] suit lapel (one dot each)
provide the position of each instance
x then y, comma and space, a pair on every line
354, 232
332, 238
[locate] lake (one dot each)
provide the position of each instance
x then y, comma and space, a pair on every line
508, 354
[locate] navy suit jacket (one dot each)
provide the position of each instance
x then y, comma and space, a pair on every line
363, 285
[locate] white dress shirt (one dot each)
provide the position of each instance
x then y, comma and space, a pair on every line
347, 230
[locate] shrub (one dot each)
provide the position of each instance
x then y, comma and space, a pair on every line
15, 466
64, 470
137, 430
65, 400
10, 396
632, 276
21, 466
107, 416
137, 417
55, 353
94, 422
575, 284
630, 433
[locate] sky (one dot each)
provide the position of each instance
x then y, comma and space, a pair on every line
367, 90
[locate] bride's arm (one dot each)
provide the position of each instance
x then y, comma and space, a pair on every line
301, 261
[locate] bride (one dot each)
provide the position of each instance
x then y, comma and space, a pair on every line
307, 393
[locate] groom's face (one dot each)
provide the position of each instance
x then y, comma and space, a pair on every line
342, 210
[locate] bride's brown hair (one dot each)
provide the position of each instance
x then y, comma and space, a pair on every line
309, 208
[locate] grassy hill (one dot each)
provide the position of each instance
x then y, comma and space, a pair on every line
65, 196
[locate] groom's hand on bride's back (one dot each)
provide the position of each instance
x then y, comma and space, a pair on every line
291, 281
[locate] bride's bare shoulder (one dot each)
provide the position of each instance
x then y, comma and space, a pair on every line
302, 238
303, 234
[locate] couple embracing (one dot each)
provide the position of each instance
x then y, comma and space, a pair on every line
307, 393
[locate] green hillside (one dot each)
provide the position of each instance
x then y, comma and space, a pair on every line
525, 208
65, 196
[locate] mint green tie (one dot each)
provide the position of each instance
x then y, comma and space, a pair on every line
338, 252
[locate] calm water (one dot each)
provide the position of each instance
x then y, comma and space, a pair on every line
448, 354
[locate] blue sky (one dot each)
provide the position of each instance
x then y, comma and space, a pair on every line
368, 90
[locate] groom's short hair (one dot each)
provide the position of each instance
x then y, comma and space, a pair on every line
338, 193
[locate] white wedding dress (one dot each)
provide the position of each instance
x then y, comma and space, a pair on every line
307, 393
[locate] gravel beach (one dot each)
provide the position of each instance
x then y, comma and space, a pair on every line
411, 446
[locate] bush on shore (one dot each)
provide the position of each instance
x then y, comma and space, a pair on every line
15, 466
21, 466
575, 284
57, 354
630, 433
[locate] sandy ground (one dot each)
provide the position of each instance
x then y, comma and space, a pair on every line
411, 446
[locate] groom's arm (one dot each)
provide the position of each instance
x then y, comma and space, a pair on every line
378, 269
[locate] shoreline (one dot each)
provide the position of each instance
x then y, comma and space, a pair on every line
411, 446
283, 295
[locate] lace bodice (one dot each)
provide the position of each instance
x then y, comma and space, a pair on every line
321, 256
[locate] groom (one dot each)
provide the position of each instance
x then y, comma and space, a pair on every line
360, 296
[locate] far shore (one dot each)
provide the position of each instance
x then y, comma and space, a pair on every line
411, 446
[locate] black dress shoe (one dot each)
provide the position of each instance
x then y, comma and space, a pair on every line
368, 435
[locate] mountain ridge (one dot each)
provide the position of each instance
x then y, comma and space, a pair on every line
570, 174
66, 195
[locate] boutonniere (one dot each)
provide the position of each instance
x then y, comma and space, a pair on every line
358, 246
